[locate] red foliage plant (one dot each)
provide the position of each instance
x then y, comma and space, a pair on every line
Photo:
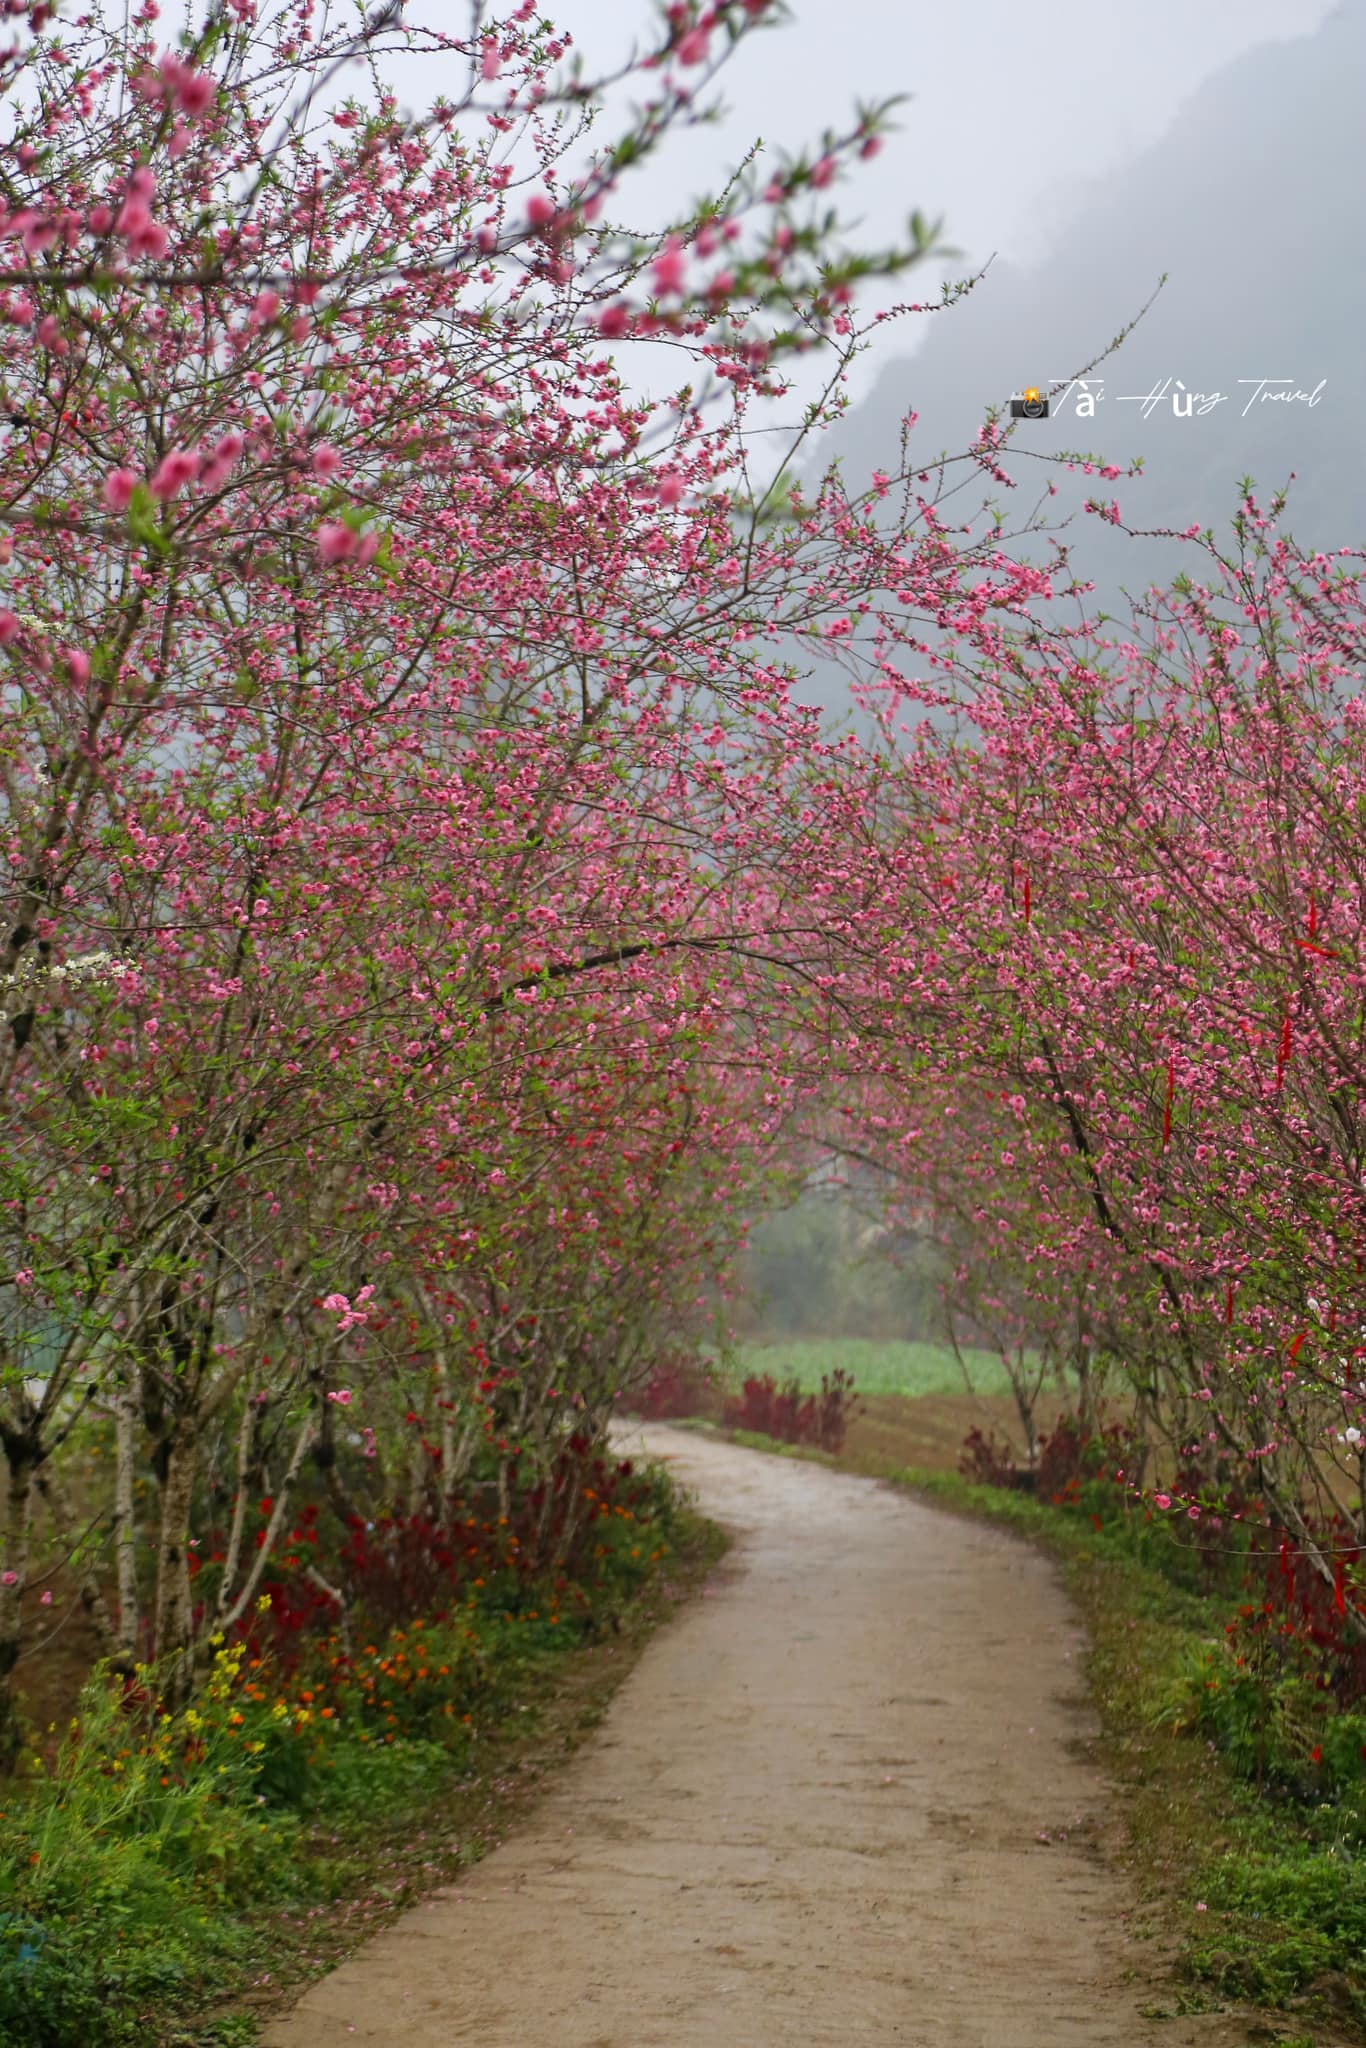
1297, 1601
793, 1418
677, 1387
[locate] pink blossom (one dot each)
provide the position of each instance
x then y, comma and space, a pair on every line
178, 141
669, 267
1162, 1500
871, 146
342, 1397
693, 47
119, 487
368, 549
195, 93
326, 461
540, 209
177, 469
9, 628
24, 1277
823, 173
492, 62
9, 1578
192, 91
45, 1598
101, 219
614, 320
150, 240
77, 665
337, 543
669, 488
266, 307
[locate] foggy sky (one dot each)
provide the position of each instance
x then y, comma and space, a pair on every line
1015, 114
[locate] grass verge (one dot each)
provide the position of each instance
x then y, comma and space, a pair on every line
110, 1933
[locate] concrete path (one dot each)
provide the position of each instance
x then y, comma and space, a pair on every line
840, 1800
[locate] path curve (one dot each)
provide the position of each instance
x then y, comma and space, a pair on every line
814, 1814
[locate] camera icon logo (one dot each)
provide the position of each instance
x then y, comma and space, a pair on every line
1030, 405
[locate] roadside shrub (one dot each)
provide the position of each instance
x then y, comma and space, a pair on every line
1317, 1613
1074, 1466
130, 1841
679, 1386
1072, 1457
986, 1459
1282, 1695
785, 1413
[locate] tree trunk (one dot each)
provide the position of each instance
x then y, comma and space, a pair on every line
174, 1607
127, 1409
20, 1462
87, 1580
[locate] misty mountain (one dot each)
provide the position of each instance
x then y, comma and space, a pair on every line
1254, 205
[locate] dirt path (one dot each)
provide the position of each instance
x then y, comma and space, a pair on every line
827, 1808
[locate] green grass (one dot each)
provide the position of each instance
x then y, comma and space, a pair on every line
877, 1368
160, 1884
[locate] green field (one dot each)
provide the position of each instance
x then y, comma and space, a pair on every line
877, 1368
